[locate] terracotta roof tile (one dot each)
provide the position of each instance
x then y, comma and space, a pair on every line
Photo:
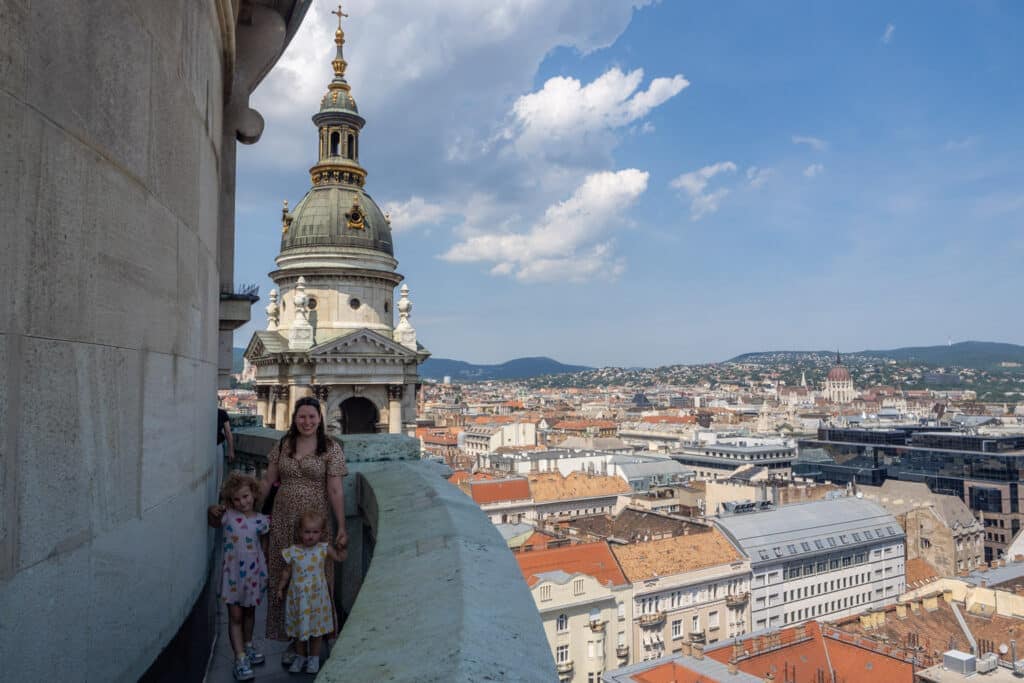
499, 490
676, 555
797, 654
919, 570
548, 486
592, 559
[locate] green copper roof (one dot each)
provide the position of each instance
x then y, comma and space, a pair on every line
325, 217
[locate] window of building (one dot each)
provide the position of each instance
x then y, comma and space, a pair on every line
713, 620
590, 649
562, 623
695, 624
677, 628
806, 547
545, 592
577, 587
622, 610
562, 654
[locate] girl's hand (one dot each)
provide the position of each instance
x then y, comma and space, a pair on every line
214, 513
341, 540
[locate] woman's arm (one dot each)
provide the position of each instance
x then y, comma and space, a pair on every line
336, 492
270, 477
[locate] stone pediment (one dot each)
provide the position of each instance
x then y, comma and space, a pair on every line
264, 343
363, 343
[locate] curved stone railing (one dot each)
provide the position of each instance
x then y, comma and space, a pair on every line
431, 589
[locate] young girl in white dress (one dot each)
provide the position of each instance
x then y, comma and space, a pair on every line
309, 614
244, 575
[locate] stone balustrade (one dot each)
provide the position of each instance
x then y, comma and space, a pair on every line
430, 587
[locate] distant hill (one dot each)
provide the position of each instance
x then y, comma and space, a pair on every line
969, 354
520, 368
438, 368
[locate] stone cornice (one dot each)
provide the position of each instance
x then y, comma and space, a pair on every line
289, 275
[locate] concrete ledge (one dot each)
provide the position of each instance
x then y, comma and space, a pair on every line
443, 599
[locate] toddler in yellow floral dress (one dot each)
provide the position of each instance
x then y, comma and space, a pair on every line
308, 613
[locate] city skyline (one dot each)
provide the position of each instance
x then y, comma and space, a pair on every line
718, 179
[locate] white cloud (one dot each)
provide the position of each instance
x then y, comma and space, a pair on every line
757, 177
817, 144
435, 87
814, 170
566, 242
962, 144
694, 184
566, 110
412, 212
889, 31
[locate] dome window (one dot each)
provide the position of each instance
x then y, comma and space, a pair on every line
351, 146
354, 304
335, 143
311, 303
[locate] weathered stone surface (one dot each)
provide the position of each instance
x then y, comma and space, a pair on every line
441, 591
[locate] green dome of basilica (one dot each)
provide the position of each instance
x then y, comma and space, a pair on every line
337, 216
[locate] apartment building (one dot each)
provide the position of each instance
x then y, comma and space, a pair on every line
692, 588
584, 602
487, 438
722, 459
940, 528
818, 560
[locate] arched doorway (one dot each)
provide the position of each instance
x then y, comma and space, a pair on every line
358, 416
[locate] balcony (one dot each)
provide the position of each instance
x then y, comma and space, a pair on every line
737, 600
596, 625
622, 651
429, 586
564, 668
652, 619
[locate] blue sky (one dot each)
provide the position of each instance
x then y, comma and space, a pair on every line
631, 183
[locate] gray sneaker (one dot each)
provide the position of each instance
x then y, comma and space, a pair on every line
243, 670
297, 664
312, 665
255, 656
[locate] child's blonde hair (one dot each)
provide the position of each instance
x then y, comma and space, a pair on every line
235, 482
310, 516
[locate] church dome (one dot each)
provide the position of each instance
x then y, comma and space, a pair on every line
337, 216
839, 374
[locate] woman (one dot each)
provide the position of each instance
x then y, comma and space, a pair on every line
308, 468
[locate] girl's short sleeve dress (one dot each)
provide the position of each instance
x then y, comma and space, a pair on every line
244, 577
308, 610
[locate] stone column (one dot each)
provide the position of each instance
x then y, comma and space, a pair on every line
321, 392
282, 408
263, 404
296, 392
394, 408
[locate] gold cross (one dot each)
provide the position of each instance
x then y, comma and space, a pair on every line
339, 14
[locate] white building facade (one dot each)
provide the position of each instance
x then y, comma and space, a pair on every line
819, 560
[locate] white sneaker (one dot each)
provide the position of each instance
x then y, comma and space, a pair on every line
312, 665
297, 664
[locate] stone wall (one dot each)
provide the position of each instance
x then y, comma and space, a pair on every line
115, 229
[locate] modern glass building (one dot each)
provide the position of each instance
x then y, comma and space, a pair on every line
983, 471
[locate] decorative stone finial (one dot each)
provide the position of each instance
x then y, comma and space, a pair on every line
273, 311
405, 333
286, 218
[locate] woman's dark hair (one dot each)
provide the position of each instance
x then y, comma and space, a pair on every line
289, 438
